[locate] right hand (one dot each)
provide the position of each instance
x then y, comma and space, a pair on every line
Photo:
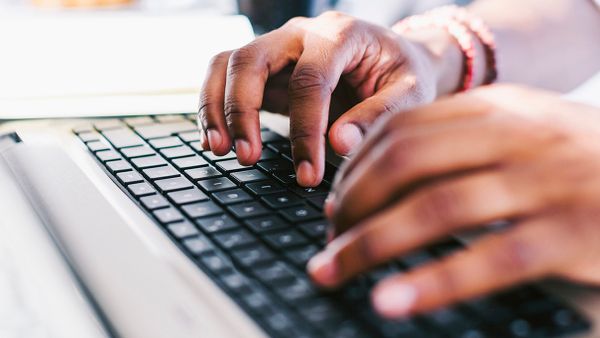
301, 68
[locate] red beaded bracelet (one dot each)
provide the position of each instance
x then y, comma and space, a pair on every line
461, 26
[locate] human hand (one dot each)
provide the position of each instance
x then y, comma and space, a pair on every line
311, 66
501, 153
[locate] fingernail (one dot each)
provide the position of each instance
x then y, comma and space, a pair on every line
350, 137
242, 148
323, 269
305, 174
214, 139
394, 300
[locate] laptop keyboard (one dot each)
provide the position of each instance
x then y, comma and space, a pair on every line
253, 229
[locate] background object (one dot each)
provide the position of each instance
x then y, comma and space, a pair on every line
266, 15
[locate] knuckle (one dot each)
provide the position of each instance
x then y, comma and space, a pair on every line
437, 207
514, 256
220, 59
295, 21
243, 58
397, 155
308, 79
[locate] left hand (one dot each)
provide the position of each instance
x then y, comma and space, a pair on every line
492, 154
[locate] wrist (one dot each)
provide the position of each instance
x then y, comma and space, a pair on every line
451, 34
445, 57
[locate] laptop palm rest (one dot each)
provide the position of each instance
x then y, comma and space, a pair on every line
128, 280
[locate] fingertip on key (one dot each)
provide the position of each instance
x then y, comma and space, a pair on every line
305, 174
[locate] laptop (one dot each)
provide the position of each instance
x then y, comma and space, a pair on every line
158, 238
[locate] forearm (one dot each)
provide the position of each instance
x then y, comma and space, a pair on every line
549, 44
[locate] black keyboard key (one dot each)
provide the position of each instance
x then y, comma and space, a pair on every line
275, 274
268, 154
248, 176
168, 215
285, 176
268, 136
317, 201
201, 209
315, 229
403, 328
139, 151
182, 229
322, 313
209, 155
310, 192
267, 223
160, 172
235, 239
301, 256
154, 202
231, 165
265, 187
297, 291
286, 239
282, 147
257, 302
187, 196
141, 189
189, 162
177, 152
216, 184
118, 166
279, 323
173, 184
279, 164
216, 263
129, 177
250, 209
122, 138
97, 146
158, 130
301, 213
236, 283
148, 162
108, 155
190, 136
232, 196
203, 173
282, 200
253, 257
167, 142
351, 329
198, 246
217, 223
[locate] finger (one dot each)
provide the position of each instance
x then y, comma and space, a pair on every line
427, 215
524, 253
314, 78
458, 107
414, 158
248, 71
348, 131
211, 120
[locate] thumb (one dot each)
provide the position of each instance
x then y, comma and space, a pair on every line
348, 131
